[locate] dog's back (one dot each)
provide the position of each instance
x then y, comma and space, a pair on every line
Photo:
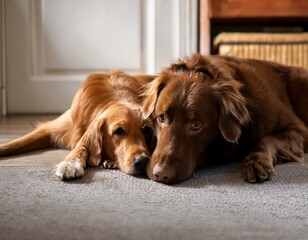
289, 84
274, 88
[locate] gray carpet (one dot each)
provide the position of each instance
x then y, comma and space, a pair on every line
107, 204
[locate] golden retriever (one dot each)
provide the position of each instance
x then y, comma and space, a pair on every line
210, 109
104, 122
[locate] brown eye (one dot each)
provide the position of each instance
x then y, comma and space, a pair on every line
161, 118
195, 126
119, 131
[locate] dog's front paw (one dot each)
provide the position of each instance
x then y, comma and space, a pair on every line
257, 167
109, 164
69, 169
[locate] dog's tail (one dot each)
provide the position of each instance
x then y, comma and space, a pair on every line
45, 135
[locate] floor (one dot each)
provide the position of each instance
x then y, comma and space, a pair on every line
14, 126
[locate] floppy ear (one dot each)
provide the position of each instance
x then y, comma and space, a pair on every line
93, 141
233, 111
151, 95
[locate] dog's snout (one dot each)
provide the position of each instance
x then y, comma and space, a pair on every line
163, 174
140, 162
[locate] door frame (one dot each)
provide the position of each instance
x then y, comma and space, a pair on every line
2, 60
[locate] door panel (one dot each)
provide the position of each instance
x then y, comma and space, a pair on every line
90, 34
53, 45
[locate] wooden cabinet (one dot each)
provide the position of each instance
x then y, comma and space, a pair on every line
253, 14
258, 8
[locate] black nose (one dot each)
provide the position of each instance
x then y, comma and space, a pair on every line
140, 162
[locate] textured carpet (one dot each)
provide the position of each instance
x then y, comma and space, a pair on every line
107, 204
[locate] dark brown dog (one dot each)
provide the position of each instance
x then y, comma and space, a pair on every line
103, 123
217, 109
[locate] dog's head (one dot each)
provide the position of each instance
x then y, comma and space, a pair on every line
191, 103
119, 135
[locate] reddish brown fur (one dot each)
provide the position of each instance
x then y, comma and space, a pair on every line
217, 109
105, 103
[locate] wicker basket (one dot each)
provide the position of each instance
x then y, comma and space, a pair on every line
290, 48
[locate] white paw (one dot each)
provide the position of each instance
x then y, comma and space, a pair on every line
109, 164
69, 170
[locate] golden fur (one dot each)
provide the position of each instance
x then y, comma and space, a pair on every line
104, 122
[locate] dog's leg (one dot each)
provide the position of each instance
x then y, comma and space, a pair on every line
74, 164
287, 145
86, 152
297, 91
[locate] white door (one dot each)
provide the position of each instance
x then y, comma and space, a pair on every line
49, 46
